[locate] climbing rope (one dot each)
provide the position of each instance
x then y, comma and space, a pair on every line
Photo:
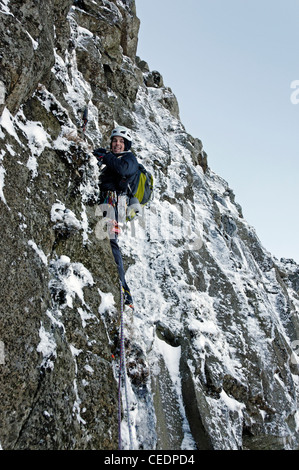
123, 375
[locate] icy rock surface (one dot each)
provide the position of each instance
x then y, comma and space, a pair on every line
211, 349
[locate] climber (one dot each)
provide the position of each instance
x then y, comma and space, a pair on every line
120, 172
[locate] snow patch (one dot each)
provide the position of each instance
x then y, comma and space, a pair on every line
172, 356
40, 252
2, 92
47, 347
34, 42
7, 122
70, 278
77, 403
64, 217
107, 302
4, 7
231, 403
37, 137
2, 176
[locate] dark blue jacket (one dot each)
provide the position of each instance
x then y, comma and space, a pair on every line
121, 171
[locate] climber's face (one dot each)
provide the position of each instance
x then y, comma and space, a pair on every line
118, 145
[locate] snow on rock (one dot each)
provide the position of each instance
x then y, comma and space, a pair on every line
47, 346
71, 278
40, 253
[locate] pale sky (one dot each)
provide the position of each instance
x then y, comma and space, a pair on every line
231, 65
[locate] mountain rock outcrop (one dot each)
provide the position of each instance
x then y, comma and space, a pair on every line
212, 347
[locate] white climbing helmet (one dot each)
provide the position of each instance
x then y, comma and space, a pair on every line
121, 132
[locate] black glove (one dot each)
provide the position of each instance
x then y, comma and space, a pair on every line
99, 154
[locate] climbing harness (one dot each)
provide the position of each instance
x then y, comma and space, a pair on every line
111, 199
123, 376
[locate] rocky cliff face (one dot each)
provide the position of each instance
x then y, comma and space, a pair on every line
211, 350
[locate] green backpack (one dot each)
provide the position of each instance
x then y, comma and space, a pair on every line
142, 192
